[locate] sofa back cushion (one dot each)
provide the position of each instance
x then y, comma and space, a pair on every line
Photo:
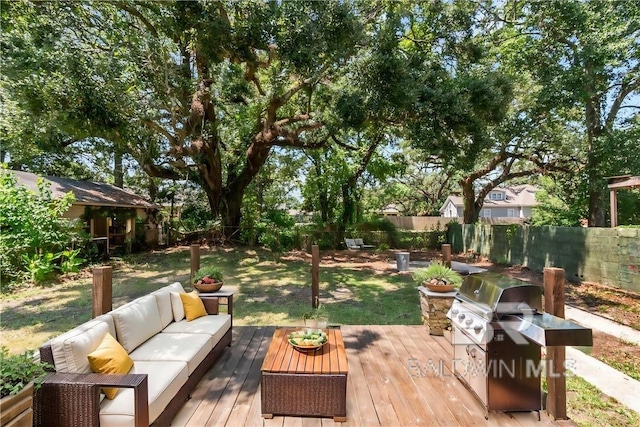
163, 299
70, 349
137, 322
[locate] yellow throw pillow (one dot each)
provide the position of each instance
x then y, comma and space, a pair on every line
110, 358
193, 305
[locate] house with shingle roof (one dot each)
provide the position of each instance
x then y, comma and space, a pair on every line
108, 212
502, 202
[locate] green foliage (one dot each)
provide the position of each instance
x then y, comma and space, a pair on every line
319, 312
276, 231
33, 231
437, 270
208, 271
70, 262
378, 224
420, 239
40, 266
382, 247
17, 370
553, 210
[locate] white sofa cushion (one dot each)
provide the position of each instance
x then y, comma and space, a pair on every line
177, 306
188, 348
163, 299
164, 381
214, 325
137, 322
70, 349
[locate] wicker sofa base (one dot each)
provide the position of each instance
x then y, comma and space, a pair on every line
316, 395
70, 400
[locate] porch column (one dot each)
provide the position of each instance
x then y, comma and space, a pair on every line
613, 202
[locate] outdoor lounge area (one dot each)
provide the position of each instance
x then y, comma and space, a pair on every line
398, 376
357, 244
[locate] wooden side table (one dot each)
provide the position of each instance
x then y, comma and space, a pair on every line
212, 300
312, 383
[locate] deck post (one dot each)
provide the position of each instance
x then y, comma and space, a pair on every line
556, 380
315, 276
446, 255
102, 298
194, 252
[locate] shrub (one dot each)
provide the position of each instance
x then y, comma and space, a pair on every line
18, 370
33, 231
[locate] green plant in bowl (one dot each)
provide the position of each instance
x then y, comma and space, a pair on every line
208, 279
437, 274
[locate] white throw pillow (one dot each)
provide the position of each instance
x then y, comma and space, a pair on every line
177, 306
163, 300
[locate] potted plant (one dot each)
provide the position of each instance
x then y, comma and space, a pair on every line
316, 318
208, 279
20, 374
438, 277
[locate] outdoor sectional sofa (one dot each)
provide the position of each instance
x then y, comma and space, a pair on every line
170, 355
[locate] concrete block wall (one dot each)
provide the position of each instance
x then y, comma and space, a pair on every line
605, 255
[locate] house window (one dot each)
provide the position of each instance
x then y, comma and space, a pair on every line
511, 213
495, 196
487, 213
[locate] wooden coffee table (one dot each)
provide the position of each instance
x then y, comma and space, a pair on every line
312, 383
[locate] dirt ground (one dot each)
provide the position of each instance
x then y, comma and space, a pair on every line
616, 304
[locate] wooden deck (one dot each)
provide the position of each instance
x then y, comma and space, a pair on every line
398, 376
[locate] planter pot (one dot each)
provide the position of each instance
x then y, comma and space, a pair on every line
208, 287
311, 323
320, 323
17, 410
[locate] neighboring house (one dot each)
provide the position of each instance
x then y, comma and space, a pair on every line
108, 212
502, 202
391, 210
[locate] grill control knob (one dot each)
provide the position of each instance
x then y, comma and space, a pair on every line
461, 317
477, 328
468, 322
454, 311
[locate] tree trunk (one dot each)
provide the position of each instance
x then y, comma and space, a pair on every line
471, 208
594, 131
231, 204
348, 205
118, 173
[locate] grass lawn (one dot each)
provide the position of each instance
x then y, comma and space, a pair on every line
270, 290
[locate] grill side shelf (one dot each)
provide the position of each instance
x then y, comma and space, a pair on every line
548, 330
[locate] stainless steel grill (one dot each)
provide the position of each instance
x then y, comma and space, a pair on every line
498, 328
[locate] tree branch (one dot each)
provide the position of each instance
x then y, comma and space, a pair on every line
294, 119
135, 12
625, 90
156, 127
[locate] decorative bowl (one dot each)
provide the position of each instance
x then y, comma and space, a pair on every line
208, 287
307, 347
440, 288
307, 339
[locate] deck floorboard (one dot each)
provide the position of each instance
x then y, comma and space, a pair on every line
398, 376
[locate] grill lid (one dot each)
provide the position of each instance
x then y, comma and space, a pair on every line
500, 295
